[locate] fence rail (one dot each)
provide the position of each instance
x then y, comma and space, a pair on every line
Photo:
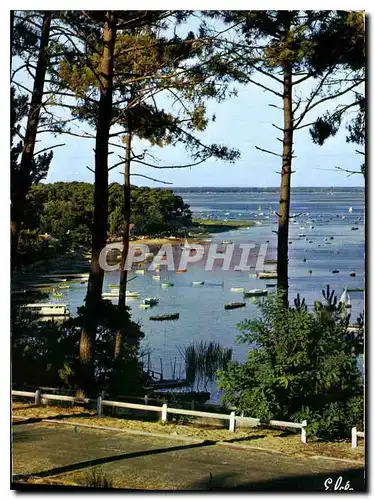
355, 435
164, 410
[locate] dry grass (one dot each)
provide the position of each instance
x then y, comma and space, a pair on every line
273, 439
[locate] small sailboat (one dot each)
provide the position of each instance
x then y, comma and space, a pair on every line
350, 209
237, 289
198, 283
345, 299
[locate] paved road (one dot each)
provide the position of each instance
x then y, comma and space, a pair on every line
51, 451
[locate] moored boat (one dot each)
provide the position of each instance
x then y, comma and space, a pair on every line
46, 309
234, 305
267, 275
237, 289
167, 284
151, 301
198, 283
255, 292
164, 317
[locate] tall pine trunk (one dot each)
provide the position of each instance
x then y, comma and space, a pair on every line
86, 381
286, 171
125, 241
24, 180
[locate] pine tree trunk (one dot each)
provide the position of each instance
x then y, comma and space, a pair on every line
286, 171
27, 158
125, 241
99, 230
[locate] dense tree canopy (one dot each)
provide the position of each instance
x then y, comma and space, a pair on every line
64, 210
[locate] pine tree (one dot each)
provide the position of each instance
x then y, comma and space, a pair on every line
287, 47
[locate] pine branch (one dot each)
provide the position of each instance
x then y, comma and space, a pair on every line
324, 99
151, 178
170, 166
47, 149
269, 152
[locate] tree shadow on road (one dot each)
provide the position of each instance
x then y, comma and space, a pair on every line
110, 459
34, 420
306, 483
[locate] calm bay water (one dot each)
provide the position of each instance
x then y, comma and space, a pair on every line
324, 214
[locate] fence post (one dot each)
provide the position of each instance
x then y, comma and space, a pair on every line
164, 412
146, 399
37, 397
99, 408
303, 431
232, 422
354, 437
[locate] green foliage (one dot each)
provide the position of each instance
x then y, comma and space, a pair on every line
64, 210
301, 365
46, 353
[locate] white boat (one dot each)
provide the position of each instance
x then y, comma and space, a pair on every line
167, 284
198, 282
227, 242
144, 306
46, 309
139, 271
156, 277
150, 301
255, 292
345, 299
267, 275
133, 294
237, 289
110, 295
350, 209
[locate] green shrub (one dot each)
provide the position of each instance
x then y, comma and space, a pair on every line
302, 365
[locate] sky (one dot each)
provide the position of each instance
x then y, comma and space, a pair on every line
242, 122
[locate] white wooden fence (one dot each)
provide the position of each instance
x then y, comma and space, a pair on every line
355, 435
164, 410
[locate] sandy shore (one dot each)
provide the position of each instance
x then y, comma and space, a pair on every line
163, 241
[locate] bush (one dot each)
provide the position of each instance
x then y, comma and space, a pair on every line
302, 365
